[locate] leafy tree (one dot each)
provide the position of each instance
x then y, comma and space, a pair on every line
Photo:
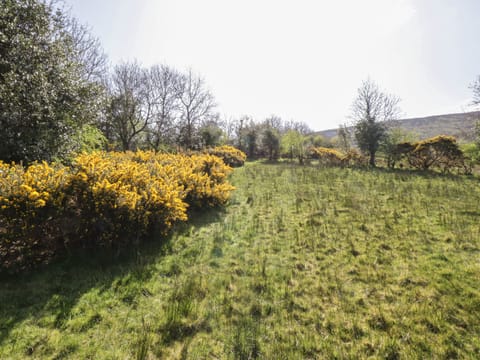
270, 143
45, 97
471, 151
371, 110
319, 141
211, 134
90, 138
293, 144
388, 146
251, 138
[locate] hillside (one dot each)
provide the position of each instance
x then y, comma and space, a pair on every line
459, 125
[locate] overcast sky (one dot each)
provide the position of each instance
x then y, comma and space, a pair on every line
302, 60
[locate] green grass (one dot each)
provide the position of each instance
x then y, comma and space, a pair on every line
303, 263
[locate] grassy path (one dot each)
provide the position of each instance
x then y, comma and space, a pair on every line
303, 263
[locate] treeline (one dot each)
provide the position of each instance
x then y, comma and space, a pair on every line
59, 96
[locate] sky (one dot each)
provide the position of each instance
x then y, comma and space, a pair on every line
302, 60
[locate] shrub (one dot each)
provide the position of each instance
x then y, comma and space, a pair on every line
120, 199
31, 206
332, 157
327, 156
103, 200
354, 158
439, 152
230, 155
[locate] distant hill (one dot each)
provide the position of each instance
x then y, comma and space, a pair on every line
460, 125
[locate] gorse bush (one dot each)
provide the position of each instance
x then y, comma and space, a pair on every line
103, 200
333, 157
31, 211
229, 154
327, 156
440, 152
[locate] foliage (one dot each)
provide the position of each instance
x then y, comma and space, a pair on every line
271, 143
477, 134
230, 155
388, 145
210, 134
44, 94
104, 200
87, 139
471, 153
293, 144
319, 141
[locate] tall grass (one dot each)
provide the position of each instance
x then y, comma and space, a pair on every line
304, 263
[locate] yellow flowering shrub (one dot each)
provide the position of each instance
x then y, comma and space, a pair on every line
354, 158
333, 157
103, 199
229, 154
207, 185
121, 199
327, 156
440, 152
31, 204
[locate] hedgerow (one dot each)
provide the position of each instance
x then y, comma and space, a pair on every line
103, 200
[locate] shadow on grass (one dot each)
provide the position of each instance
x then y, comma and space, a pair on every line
53, 291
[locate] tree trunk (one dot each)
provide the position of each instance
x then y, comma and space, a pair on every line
372, 159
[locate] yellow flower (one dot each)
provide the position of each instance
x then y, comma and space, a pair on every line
34, 195
40, 203
83, 176
26, 188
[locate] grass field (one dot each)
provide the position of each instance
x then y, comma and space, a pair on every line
303, 263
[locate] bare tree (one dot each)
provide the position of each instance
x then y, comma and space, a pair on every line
371, 111
240, 131
344, 137
476, 91
130, 106
88, 51
163, 87
274, 122
297, 126
196, 107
